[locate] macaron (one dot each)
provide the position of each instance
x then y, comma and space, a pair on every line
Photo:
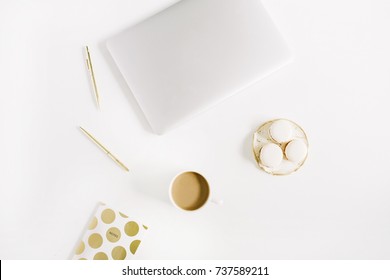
271, 155
281, 131
296, 150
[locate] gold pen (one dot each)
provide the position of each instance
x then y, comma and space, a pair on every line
92, 75
104, 149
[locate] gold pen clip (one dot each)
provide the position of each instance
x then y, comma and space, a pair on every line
114, 158
92, 75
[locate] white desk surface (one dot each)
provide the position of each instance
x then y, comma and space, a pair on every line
51, 177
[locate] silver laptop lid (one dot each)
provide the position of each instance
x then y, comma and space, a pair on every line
196, 53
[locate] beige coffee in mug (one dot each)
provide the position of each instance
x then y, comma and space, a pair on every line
190, 191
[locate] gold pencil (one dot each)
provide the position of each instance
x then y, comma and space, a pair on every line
93, 139
92, 75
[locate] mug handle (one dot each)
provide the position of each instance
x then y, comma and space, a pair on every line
217, 201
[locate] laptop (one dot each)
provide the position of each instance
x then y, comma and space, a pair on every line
194, 54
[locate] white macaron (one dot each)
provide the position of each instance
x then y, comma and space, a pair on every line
281, 131
271, 155
296, 150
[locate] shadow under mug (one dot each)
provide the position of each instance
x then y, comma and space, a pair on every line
190, 191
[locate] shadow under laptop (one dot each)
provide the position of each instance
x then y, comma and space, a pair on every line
124, 87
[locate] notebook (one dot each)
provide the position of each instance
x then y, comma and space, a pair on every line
111, 235
195, 54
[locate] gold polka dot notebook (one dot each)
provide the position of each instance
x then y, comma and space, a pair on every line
111, 235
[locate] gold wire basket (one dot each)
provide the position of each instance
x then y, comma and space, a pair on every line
262, 137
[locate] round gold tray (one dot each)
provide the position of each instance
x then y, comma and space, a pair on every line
262, 137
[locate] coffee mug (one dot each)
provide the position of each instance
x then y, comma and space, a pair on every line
190, 191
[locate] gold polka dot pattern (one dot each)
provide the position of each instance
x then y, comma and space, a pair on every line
123, 215
100, 256
118, 253
131, 228
108, 216
113, 234
134, 246
110, 235
80, 248
95, 240
93, 223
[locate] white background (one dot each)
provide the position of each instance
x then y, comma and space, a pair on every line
51, 177
277, 269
